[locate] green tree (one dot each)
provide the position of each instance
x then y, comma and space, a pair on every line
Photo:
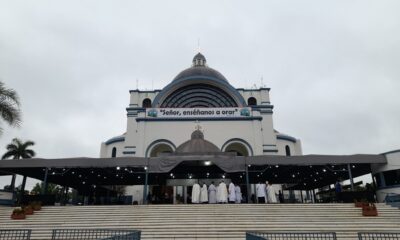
9, 106
17, 150
52, 189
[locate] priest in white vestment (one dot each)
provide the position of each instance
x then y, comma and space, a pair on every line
222, 193
204, 194
271, 195
212, 193
238, 193
261, 192
232, 194
196, 193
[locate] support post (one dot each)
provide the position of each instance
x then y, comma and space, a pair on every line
350, 176
248, 184
23, 185
146, 179
314, 196
301, 196
44, 190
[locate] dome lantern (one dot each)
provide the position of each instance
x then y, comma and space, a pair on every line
199, 60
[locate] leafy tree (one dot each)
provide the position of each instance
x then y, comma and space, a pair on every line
17, 150
9, 106
52, 189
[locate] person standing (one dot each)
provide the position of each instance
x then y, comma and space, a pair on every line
204, 194
212, 193
281, 199
222, 193
338, 191
238, 193
260, 189
196, 193
232, 194
271, 193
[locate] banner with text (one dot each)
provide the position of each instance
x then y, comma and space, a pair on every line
198, 112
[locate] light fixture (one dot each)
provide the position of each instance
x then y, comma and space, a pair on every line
223, 176
207, 163
118, 168
276, 166
145, 168
324, 170
171, 174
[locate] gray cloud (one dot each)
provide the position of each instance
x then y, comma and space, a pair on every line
332, 66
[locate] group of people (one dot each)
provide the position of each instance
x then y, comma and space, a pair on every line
213, 194
266, 193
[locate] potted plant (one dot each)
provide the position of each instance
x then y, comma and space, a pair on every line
369, 210
18, 213
36, 206
28, 210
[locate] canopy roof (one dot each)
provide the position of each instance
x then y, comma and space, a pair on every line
305, 172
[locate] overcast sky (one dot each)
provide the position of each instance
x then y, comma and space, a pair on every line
333, 66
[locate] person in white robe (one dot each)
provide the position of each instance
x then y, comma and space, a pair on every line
271, 194
204, 194
212, 193
222, 193
196, 193
261, 192
232, 194
238, 193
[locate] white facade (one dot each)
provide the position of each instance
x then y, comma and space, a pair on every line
387, 176
202, 87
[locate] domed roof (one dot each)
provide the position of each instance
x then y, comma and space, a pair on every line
197, 144
200, 68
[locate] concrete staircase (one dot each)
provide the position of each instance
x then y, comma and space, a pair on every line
208, 221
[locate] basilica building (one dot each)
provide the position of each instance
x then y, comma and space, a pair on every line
231, 119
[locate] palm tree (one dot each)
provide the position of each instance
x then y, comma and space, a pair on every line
9, 106
17, 150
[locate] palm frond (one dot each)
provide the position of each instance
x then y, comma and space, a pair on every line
28, 153
10, 113
9, 154
9, 95
27, 144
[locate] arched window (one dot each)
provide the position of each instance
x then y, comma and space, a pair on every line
287, 149
114, 152
146, 103
237, 148
252, 101
159, 149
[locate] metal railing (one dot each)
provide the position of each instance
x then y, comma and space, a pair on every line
379, 235
15, 234
95, 234
392, 197
290, 236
